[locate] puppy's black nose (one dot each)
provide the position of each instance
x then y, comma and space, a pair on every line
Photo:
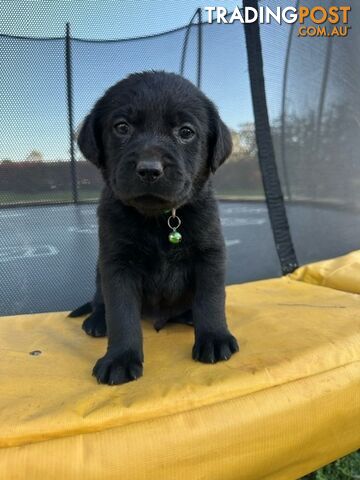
149, 170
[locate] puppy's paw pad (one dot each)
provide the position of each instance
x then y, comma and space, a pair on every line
118, 368
212, 348
95, 324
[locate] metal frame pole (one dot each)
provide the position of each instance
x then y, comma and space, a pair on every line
69, 98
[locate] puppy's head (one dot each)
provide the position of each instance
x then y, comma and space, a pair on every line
156, 138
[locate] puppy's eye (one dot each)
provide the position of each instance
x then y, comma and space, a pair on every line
186, 133
122, 128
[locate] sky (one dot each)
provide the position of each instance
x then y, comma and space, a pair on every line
100, 19
33, 112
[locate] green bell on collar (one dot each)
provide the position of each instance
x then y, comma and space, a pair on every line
175, 237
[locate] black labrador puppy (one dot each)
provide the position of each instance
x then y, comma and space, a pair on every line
156, 139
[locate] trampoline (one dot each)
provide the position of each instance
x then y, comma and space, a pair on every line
289, 197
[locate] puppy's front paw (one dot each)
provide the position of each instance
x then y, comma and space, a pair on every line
118, 367
95, 324
214, 347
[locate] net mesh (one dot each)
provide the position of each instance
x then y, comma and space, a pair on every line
315, 130
35, 149
313, 102
34, 133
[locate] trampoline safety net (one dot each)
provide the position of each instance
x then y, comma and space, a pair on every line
48, 192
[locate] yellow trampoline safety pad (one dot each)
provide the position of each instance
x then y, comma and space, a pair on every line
286, 404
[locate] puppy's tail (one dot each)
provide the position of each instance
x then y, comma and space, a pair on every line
83, 310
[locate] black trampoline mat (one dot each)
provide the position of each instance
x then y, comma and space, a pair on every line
48, 253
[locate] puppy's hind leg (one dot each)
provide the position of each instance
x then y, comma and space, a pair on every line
90, 306
95, 324
82, 310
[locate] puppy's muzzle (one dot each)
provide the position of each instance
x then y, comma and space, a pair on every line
149, 171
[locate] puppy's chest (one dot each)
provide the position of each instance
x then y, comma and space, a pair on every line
166, 269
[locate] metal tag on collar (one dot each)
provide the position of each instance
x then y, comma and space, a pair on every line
174, 223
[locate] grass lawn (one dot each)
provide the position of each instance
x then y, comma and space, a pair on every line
243, 193
53, 196
346, 468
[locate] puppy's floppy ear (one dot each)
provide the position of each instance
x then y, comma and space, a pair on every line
89, 141
220, 142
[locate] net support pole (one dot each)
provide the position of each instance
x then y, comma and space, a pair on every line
69, 97
200, 47
283, 102
266, 154
185, 44
324, 84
